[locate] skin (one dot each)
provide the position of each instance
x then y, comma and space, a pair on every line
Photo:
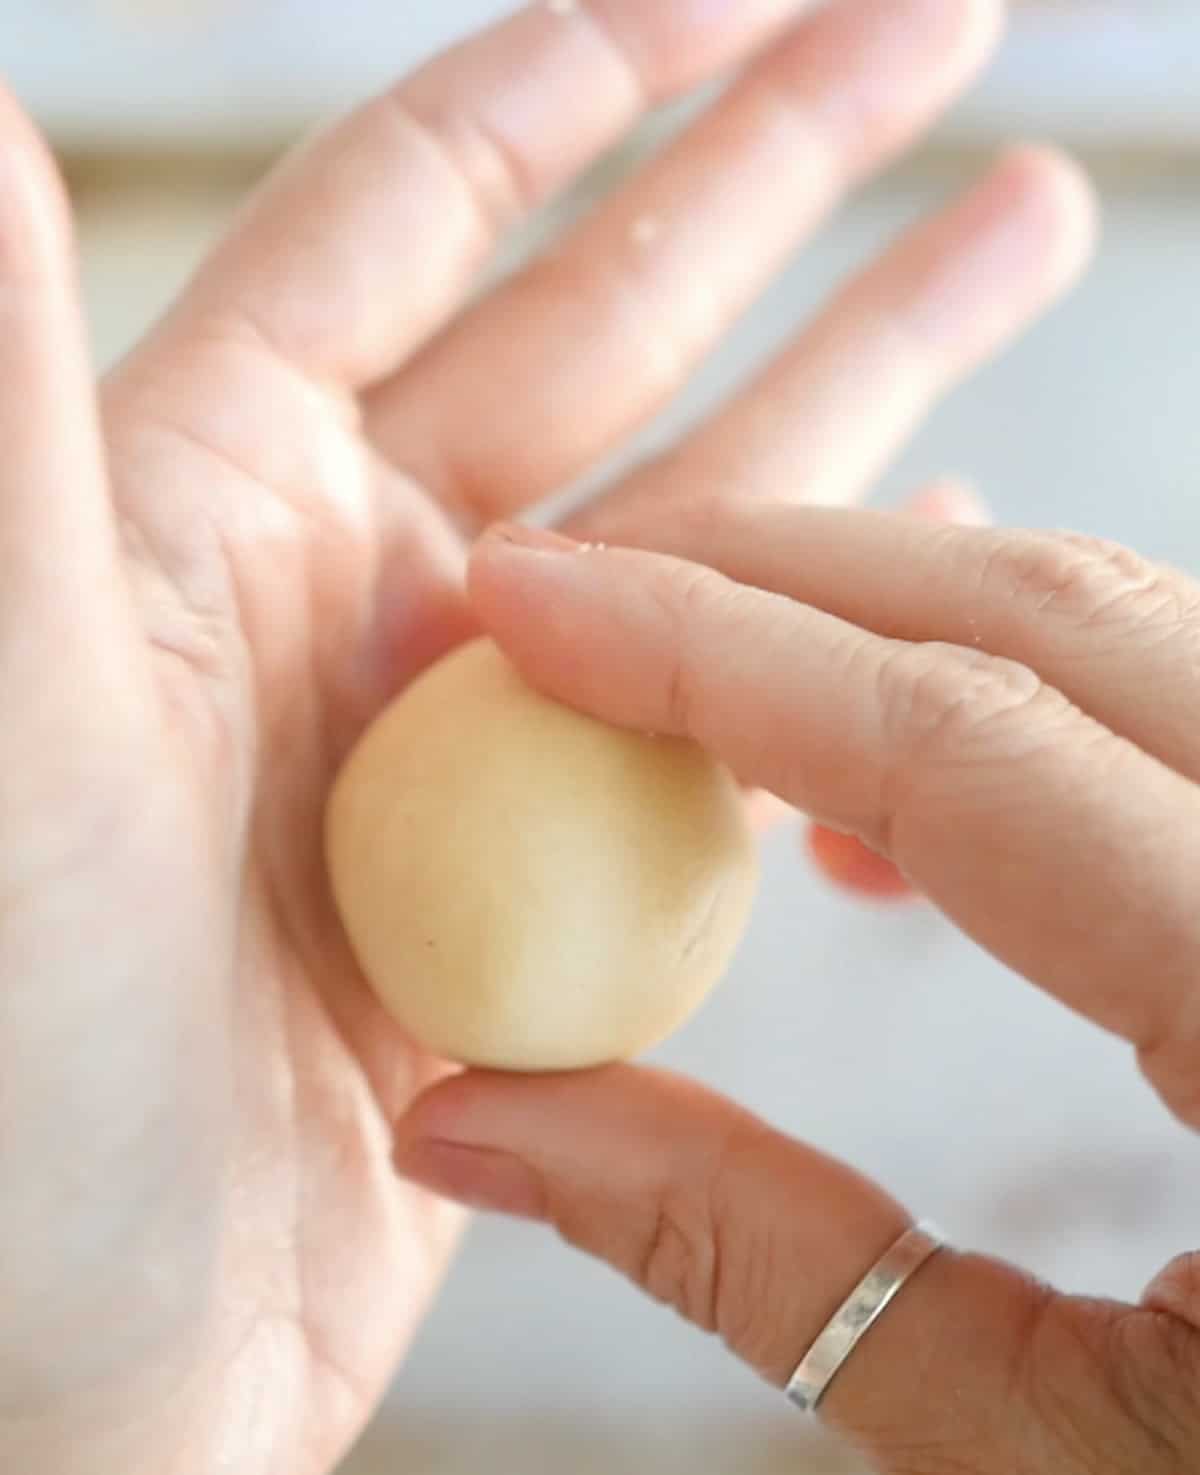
970, 704
843, 859
218, 565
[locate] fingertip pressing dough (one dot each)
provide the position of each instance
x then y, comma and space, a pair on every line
527, 888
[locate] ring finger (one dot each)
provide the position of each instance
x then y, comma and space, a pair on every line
756, 1237
824, 419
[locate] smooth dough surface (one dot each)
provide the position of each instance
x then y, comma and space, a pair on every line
527, 888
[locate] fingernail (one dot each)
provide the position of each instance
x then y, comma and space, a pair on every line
1021, 238
535, 540
481, 1178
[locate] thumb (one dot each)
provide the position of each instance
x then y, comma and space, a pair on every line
974, 1368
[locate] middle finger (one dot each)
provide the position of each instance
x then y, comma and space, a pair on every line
562, 363
829, 413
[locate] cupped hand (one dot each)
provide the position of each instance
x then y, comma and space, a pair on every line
1011, 718
217, 570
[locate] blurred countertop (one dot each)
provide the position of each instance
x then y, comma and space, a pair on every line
129, 75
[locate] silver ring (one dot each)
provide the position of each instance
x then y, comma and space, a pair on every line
859, 1312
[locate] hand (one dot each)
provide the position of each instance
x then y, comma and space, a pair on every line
1011, 718
843, 858
217, 574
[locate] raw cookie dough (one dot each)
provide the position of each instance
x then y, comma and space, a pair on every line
527, 888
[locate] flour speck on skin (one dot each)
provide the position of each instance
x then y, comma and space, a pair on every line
563, 7
645, 230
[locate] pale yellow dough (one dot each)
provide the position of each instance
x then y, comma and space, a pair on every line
527, 888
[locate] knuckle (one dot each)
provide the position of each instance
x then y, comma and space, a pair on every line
945, 704
610, 282
706, 1253
1091, 583
945, 709
681, 1258
697, 524
692, 599
493, 176
678, 1257
752, 1310
1066, 1386
1108, 1392
1154, 1377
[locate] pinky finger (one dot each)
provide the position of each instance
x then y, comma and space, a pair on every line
850, 865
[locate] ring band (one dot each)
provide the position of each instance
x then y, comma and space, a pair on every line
859, 1312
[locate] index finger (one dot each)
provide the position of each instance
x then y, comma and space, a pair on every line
363, 245
1059, 846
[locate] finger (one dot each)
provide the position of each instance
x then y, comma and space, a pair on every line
825, 418
850, 865
844, 859
757, 1238
57, 538
365, 243
592, 340
950, 500
1101, 624
1175, 1290
1063, 849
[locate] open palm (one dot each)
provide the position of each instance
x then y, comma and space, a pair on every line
216, 573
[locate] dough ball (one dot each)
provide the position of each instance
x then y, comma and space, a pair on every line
527, 888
